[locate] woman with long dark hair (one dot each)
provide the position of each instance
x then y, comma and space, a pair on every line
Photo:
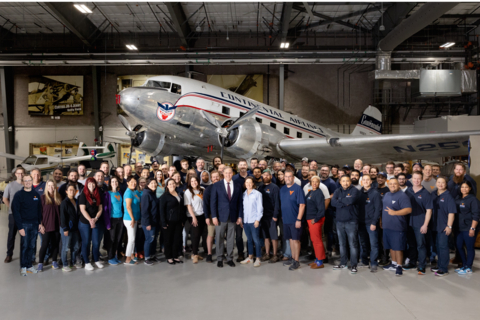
90, 224
468, 214
172, 216
113, 217
69, 214
149, 210
131, 214
196, 217
50, 225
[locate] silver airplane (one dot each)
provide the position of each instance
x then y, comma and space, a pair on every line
181, 116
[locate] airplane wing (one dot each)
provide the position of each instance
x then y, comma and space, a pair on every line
119, 139
11, 156
381, 148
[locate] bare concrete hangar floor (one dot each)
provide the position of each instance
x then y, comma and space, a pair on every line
204, 291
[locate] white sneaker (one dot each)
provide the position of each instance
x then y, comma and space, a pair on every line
89, 267
247, 260
99, 264
257, 263
32, 270
23, 272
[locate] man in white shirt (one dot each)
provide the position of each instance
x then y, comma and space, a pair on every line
428, 182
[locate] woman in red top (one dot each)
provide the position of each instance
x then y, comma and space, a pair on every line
50, 226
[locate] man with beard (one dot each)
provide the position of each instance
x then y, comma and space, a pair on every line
381, 180
277, 166
304, 163
82, 173
347, 169
253, 165
105, 167
406, 169
257, 177
271, 209
183, 172
459, 174
72, 177
330, 228
155, 167
422, 206
335, 172
200, 164
262, 164
314, 165
396, 208
217, 161
428, 182
127, 171
138, 170
436, 171
58, 177
304, 179
398, 169
164, 169
383, 190
122, 183
402, 181
221, 168
355, 177
373, 176
242, 172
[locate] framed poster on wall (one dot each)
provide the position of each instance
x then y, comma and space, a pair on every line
55, 96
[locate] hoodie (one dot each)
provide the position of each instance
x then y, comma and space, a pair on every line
203, 184
346, 202
370, 206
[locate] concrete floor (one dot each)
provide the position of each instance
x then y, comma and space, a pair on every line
204, 291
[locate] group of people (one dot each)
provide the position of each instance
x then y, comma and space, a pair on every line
394, 219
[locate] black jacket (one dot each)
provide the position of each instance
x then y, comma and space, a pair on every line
171, 210
68, 215
149, 208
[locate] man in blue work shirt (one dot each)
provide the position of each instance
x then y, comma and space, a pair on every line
456, 179
422, 206
396, 207
293, 208
345, 200
271, 210
242, 173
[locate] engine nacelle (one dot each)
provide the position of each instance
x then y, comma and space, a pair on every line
253, 139
151, 142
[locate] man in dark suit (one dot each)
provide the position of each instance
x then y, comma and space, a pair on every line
226, 204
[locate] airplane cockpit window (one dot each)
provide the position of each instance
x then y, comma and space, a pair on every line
158, 84
176, 88
42, 161
30, 160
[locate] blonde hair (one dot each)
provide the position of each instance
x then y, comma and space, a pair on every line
56, 196
317, 178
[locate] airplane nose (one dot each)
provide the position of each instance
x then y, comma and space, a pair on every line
128, 100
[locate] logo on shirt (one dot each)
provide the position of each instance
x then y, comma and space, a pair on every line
393, 201
419, 196
291, 192
268, 191
118, 198
309, 198
442, 200
368, 200
462, 205
200, 196
35, 198
432, 187
349, 196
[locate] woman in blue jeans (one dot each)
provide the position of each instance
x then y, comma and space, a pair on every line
69, 212
149, 210
444, 210
468, 214
251, 215
90, 224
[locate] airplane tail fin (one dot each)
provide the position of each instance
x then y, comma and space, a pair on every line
370, 123
81, 151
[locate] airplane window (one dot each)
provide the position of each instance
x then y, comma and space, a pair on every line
273, 125
286, 130
259, 120
299, 134
310, 137
176, 88
30, 160
225, 110
242, 114
158, 84
42, 161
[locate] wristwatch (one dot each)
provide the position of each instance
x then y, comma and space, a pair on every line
473, 229
299, 220
449, 226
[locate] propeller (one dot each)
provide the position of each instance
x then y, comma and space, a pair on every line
224, 132
132, 133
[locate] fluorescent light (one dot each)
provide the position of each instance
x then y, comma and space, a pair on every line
287, 45
82, 8
447, 45
131, 47
284, 45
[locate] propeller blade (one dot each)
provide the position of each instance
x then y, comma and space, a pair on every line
125, 122
130, 154
210, 119
221, 148
247, 116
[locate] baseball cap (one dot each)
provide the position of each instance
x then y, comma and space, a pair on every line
291, 165
267, 171
305, 159
382, 173
283, 160
417, 164
346, 167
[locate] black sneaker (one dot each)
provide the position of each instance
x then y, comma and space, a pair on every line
434, 269
440, 273
209, 258
384, 262
295, 265
409, 266
231, 263
399, 271
421, 271
148, 262
288, 262
154, 259
340, 267
354, 270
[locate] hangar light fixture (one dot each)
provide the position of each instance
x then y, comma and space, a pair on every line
131, 47
447, 45
284, 45
82, 8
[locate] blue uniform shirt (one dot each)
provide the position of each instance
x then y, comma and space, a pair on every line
116, 210
468, 211
442, 205
421, 201
135, 196
395, 201
291, 199
454, 188
370, 206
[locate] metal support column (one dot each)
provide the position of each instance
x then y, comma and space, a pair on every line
6, 88
96, 103
281, 87
188, 68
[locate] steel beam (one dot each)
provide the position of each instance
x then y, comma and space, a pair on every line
96, 103
281, 87
392, 17
75, 21
179, 21
6, 89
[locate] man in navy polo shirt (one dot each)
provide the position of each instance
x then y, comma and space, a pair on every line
422, 206
293, 207
242, 173
456, 179
345, 199
396, 207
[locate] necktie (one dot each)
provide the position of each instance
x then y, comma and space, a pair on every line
229, 192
